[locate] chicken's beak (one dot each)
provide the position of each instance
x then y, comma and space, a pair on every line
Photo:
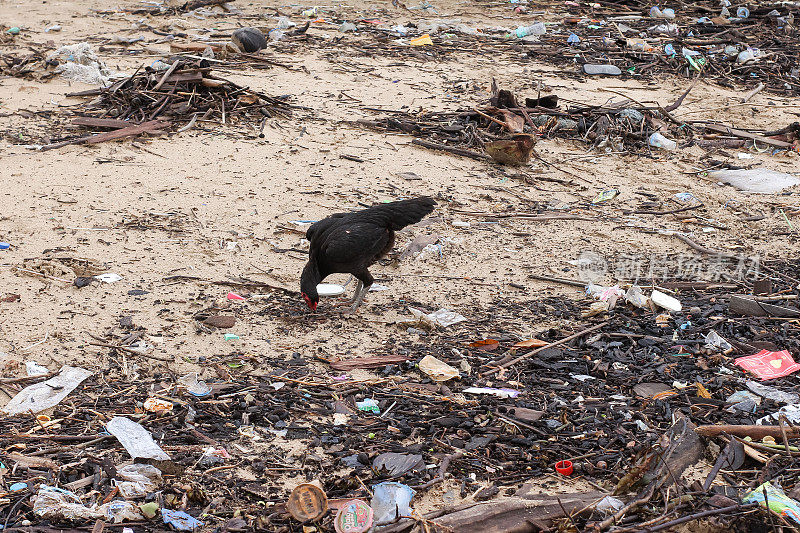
309, 302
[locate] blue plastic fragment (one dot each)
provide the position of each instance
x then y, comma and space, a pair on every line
180, 520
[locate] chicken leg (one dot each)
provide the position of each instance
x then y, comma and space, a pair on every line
358, 297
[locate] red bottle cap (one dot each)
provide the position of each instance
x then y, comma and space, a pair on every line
564, 468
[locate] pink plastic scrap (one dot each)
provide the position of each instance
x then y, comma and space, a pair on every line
769, 365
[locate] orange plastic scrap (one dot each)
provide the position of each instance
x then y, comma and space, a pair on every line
421, 40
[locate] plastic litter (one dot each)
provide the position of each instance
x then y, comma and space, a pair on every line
715, 342
136, 440
665, 301
16, 487
180, 520
390, 501
53, 503
137, 480
108, 278
213, 456
595, 309
608, 70
47, 394
636, 297
564, 468
118, 511
742, 12
657, 140
369, 405
658, 13
234, 296
750, 55
422, 40
768, 365
609, 504
639, 45
744, 401
329, 289
194, 386
442, 317
534, 29
355, 516
35, 369
347, 27
284, 23
604, 294
437, 370
756, 180
500, 393
771, 393
573, 39
777, 500
4, 246
664, 29
791, 412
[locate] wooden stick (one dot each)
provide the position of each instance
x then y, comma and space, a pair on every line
452, 150
551, 345
702, 514
746, 135
749, 96
702, 249
170, 70
756, 432
130, 350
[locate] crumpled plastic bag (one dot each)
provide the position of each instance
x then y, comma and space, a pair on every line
391, 500
714, 341
118, 511
777, 500
442, 317
53, 503
137, 480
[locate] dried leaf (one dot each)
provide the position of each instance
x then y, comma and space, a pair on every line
702, 391
531, 343
487, 345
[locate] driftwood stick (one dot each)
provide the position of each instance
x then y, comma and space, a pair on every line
170, 70
452, 150
702, 514
131, 351
551, 345
702, 249
756, 432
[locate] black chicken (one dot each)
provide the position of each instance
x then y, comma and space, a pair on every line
351, 242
